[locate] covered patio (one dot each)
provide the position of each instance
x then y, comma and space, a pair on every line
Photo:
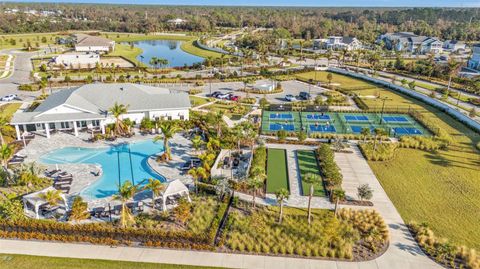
35, 202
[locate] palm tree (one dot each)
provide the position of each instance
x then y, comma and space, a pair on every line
282, 195
156, 187
52, 197
197, 142
3, 123
254, 184
125, 193
117, 111
168, 129
365, 132
79, 210
197, 173
453, 67
328, 55
310, 179
378, 132
6, 153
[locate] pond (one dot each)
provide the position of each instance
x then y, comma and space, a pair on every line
167, 49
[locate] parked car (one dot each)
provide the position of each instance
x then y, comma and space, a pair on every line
9, 97
224, 96
290, 98
234, 98
304, 96
214, 94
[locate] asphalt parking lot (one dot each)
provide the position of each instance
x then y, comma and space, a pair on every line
289, 87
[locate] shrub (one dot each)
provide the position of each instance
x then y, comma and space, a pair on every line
194, 91
383, 152
328, 166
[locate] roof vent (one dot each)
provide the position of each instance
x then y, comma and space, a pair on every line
121, 88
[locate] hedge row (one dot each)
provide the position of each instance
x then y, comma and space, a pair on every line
329, 168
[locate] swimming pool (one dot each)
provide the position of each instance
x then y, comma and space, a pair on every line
119, 163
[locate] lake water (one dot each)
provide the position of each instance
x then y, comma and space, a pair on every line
167, 49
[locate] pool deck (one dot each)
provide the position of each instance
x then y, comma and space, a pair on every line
82, 173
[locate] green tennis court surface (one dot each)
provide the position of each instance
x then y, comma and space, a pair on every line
394, 125
277, 173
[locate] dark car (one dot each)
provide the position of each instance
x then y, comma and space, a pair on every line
214, 94
304, 96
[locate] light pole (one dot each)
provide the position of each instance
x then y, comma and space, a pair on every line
383, 108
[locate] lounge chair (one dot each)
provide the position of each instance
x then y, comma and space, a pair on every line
15, 160
51, 172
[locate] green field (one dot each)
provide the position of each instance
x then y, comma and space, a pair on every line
341, 81
9, 261
441, 188
197, 101
307, 164
190, 47
7, 110
127, 52
22, 39
130, 37
277, 172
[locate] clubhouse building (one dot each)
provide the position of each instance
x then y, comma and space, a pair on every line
87, 108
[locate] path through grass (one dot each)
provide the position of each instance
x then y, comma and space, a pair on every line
441, 188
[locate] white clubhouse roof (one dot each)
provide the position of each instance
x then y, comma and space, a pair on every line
92, 101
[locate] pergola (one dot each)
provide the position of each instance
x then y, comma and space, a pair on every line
36, 201
175, 187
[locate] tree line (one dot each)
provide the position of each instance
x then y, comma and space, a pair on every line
365, 24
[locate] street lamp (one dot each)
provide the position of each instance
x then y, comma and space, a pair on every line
383, 108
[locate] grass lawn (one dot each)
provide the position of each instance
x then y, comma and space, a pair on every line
197, 101
307, 164
441, 188
226, 108
127, 52
21, 40
39, 262
190, 47
344, 82
7, 110
130, 37
277, 173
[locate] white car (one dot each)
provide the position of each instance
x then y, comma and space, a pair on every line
290, 98
9, 97
223, 96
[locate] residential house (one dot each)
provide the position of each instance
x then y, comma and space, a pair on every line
177, 21
337, 43
87, 108
410, 42
454, 45
474, 62
89, 43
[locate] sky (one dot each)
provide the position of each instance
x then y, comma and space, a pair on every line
319, 3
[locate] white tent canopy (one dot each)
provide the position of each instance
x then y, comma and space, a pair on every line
35, 200
175, 187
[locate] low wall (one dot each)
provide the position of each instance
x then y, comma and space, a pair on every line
219, 50
435, 103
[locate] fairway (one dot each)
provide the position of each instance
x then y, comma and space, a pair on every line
27, 262
442, 187
307, 164
277, 173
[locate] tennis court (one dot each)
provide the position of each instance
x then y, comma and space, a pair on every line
394, 125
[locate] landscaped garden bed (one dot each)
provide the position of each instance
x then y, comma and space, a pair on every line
352, 235
277, 171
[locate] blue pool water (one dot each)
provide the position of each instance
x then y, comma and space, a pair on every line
109, 158
167, 49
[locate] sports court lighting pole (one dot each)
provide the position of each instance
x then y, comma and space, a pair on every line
383, 108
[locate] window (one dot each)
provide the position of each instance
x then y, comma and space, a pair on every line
182, 117
169, 117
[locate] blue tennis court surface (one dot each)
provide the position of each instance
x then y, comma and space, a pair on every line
323, 128
356, 118
318, 117
281, 116
396, 119
358, 129
279, 126
407, 131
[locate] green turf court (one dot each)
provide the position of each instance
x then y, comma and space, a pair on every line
277, 172
395, 125
307, 164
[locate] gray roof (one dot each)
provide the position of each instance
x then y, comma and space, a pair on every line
84, 40
96, 99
